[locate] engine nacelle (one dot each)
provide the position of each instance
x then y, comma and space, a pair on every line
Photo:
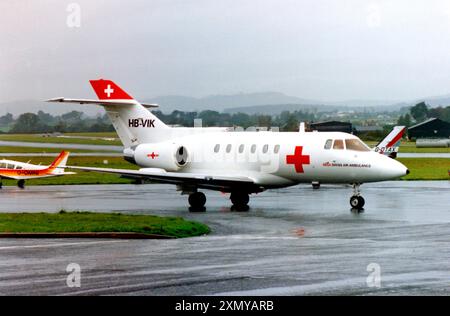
168, 156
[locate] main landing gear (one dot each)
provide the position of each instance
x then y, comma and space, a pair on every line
197, 201
357, 201
240, 201
21, 184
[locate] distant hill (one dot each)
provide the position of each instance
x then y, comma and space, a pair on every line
262, 102
222, 102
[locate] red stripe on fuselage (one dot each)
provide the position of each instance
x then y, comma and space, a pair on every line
23, 172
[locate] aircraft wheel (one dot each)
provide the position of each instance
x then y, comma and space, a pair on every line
1, 185
21, 184
315, 185
197, 202
240, 201
361, 201
357, 202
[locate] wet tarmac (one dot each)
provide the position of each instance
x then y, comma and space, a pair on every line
294, 241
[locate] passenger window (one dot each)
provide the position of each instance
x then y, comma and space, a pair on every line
18, 167
216, 148
276, 149
9, 166
328, 143
241, 148
338, 144
265, 149
228, 148
253, 150
3, 165
356, 144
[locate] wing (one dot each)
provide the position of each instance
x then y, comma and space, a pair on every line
101, 102
218, 183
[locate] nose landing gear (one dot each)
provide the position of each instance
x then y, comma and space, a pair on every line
357, 201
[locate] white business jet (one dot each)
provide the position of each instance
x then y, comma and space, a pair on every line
236, 162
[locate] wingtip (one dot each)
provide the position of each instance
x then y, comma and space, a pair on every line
58, 99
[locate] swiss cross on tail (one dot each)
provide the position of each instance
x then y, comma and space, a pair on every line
108, 90
298, 159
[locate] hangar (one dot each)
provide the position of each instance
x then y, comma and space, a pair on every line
431, 128
332, 126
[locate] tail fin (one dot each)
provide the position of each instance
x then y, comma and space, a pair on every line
390, 144
133, 122
60, 161
108, 90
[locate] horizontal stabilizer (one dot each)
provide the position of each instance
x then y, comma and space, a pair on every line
102, 102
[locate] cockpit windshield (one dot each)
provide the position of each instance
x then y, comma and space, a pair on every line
356, 144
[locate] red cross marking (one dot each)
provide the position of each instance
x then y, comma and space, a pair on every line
152, 155
298, 159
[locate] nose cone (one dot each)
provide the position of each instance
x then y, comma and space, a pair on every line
393, 169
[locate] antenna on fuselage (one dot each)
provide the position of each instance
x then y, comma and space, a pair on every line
301, 127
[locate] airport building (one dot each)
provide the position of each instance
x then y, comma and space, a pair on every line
332, 126
431, 128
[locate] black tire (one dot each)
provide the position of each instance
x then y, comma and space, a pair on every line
355, 202
239, 198
197, 200
361, 201
21, 184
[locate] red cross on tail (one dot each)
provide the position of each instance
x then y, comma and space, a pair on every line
298, 159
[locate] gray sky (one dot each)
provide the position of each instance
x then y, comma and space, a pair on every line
319, 49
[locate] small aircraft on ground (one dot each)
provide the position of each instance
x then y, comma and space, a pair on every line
21, 171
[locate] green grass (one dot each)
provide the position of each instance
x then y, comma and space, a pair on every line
426, 168
94, 134
100, 222
36, 138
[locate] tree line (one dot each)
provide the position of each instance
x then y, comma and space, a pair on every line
420, 112
76, 121
42, 122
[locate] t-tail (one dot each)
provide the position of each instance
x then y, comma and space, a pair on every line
390, 144
133, 122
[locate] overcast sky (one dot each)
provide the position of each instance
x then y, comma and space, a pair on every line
320, 49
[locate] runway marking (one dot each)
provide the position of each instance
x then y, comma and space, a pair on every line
62, 244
